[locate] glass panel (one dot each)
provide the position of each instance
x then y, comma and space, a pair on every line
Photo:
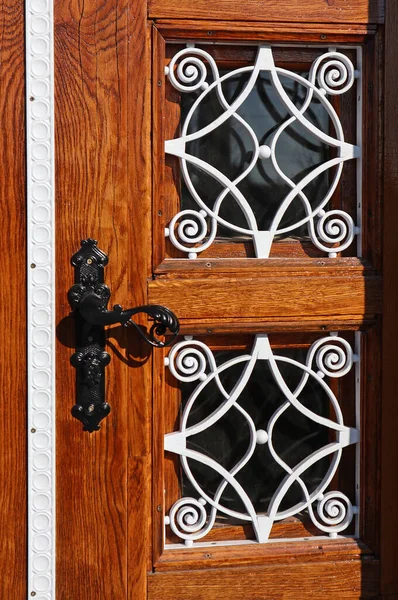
262, 435
295, 437
262, 149
230, 149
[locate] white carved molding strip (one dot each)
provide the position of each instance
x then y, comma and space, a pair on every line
331, 231
41, 304
330, 511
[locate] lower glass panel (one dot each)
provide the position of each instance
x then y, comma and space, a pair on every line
266, 441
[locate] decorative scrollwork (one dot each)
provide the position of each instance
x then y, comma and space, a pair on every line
189, 228
165, 322
187, 518
189, 360
191, 72
192, 360
334, 358
194, 231
334, 73
336, 228
335, 512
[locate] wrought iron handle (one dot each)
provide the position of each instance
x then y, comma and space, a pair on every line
88, 298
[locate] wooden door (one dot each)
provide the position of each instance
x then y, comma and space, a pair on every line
117, 489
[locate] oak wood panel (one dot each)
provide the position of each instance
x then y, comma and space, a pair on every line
249, 297
389, 417
252, 326
138, 259
12, 303
292, 552
238, 30
343, 580
308, 11
92, 148
185, 267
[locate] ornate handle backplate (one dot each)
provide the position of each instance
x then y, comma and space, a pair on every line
89, 297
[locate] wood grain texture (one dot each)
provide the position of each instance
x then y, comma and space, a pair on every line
240, 30
292, 552
308, 11
267, 297
389, 446
12, 303
96, 150
137, 255
343, 580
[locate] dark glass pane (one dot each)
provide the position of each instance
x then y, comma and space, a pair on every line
230, 147
295, 436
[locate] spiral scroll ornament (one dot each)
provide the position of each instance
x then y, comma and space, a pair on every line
187, 518
189, 231
336, 228
188, 361
334, 358
191, 72
335, 512
334, 72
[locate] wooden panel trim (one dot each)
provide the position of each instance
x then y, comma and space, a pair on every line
308, 11
321, 266
353, 579
238, 30
311, 551
13, 433
389, 417
102, 118
256, 297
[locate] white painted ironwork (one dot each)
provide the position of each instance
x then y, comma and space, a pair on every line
333, 73
331, 511
41, 296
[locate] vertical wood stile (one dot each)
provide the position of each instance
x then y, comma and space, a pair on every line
13, 370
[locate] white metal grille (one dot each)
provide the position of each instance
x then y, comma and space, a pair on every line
331, 231
331, 511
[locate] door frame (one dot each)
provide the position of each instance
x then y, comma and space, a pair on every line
14, 361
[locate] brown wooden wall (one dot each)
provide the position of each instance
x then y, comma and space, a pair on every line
12, 303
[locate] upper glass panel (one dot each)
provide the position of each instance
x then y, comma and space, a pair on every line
262, 150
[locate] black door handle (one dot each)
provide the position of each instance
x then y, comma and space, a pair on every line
88, 298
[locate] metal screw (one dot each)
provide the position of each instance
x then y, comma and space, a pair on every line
33, 430
323, 327
207, 555
209, 331
159, 508
209, 33
90, 339
90, 408
31, 98
89, 261
208, 265
159, 83
323, 36
160, 213
33, 593
33, 266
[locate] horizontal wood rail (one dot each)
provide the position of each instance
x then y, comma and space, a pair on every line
338, 579
310, 11
250, 297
